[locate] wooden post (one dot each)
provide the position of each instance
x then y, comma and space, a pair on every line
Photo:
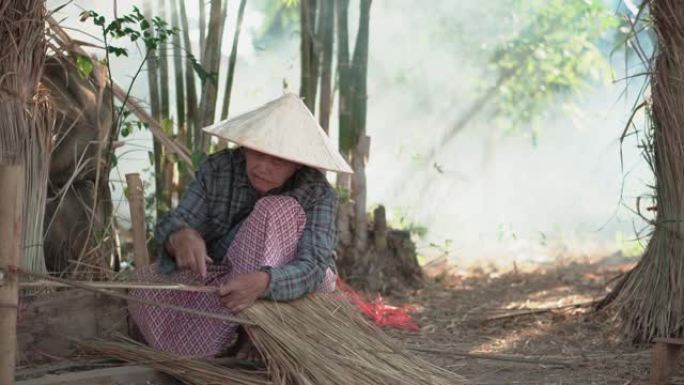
11, 202
138, 228
380, 228
664, 358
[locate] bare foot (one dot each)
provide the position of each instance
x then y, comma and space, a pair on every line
244, 350
249, 352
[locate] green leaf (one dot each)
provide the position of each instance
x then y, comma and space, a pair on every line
126, 129
84, 65
167, 125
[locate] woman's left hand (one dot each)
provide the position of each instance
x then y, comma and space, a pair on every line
240, 293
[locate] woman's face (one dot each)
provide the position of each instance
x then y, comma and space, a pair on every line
266, 172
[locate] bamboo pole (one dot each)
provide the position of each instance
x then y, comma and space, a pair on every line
138, 228
11, 202
123, 285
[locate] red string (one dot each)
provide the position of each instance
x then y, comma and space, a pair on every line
381, 314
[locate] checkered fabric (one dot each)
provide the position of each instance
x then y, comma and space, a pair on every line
221, 197
267, 238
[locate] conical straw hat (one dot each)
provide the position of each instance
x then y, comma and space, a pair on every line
283, 128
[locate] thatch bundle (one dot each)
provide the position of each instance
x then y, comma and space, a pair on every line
323, 339
190, 371
27, 118
650, 298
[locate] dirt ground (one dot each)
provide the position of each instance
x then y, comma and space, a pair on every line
463, 315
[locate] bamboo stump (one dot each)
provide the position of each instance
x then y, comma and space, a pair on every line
138, 228
11, 199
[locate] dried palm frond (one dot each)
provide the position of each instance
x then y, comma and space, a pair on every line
323, 339
27, 118
189, 371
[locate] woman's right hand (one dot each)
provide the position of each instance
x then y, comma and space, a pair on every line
189, 250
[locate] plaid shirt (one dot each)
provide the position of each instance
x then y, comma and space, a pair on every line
221, 197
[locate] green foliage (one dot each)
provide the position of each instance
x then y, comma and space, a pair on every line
84, 65
556, 53
400, 220
281, 19
135, 26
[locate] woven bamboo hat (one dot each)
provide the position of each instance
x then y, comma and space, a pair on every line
284, 128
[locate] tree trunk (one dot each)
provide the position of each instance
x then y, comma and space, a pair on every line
650, 299
345, 104
183, 131
155, 109
361, 149
309, 54
210, 62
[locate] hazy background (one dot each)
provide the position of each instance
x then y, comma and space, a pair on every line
530, 194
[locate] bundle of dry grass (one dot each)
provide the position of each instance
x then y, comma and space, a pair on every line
322, 339
27, 119
189, 371
650, 299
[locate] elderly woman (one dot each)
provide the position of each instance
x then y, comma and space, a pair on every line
258, 222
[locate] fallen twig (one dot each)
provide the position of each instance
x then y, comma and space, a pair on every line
497, 357
533, 312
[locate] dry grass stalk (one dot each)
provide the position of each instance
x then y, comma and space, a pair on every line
189, 371
651, 297
27, 119
322, 339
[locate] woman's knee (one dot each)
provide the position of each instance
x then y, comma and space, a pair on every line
279, 206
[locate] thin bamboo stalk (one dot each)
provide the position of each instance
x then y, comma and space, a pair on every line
11, 202
89, 287
44, 284
326, 27
211, 61
202, 28
178, 72
193, 136
232, 60
309, 56
138, 228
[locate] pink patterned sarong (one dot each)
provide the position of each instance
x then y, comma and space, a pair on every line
268, 237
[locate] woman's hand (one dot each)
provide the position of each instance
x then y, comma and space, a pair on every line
240, 293
190, 251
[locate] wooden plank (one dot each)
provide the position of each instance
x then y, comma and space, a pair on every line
663, 360
11, 199
48, 323
671, 341
129, 375
136, 203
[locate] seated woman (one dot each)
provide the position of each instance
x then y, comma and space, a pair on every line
258, 222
